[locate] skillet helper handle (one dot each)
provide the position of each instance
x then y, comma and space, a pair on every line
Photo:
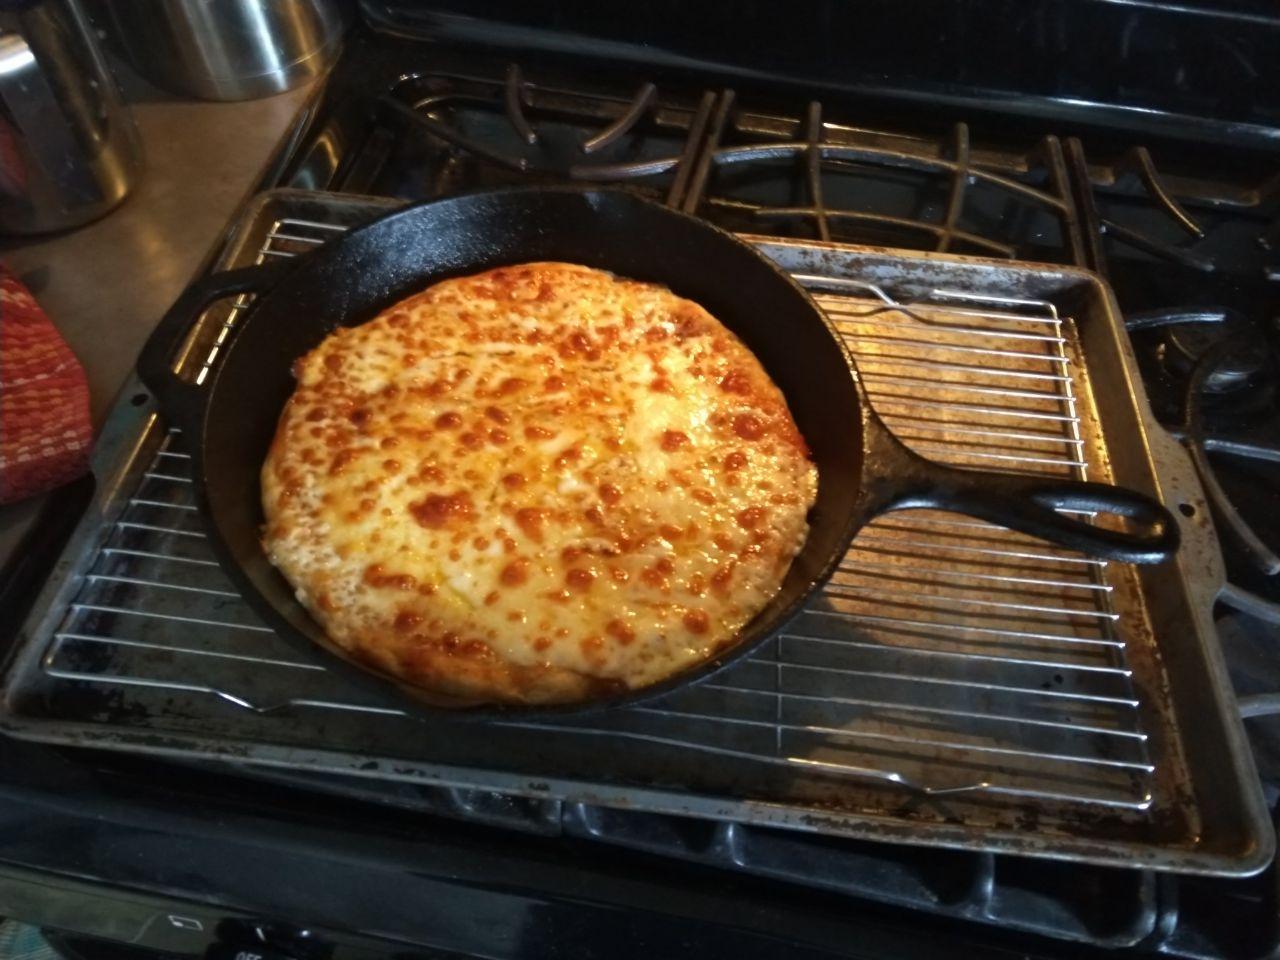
1029, 504
180, 399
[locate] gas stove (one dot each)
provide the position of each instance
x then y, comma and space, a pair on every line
1185, 233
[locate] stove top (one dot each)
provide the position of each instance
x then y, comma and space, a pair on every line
1186, 234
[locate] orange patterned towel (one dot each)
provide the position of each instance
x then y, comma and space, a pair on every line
44, 399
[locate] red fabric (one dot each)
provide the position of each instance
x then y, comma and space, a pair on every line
44, 399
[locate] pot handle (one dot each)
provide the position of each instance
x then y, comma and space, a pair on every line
904, 480
181, 400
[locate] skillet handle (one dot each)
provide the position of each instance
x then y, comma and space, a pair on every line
1025, 503
181, 400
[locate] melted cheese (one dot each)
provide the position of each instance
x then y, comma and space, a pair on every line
537, 484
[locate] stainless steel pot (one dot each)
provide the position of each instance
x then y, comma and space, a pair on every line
229, 49
69, 151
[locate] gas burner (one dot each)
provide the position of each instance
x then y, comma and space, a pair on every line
1240, 365
1187, 335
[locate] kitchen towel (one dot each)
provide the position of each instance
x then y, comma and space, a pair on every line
44, 399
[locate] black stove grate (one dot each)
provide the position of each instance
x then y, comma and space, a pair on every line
813, 176
1213, 363
819, 178
515, 131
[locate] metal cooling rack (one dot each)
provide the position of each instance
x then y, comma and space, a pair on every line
946, 655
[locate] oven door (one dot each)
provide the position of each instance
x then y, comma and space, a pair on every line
196, 862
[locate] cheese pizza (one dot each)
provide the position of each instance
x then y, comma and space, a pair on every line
538, 484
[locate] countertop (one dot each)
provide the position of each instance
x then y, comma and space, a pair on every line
106, 285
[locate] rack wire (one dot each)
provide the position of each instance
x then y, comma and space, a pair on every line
946, 655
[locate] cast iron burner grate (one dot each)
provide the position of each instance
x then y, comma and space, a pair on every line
849, 183
517, 131
703, 152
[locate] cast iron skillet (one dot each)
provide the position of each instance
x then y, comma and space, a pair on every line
863, 469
